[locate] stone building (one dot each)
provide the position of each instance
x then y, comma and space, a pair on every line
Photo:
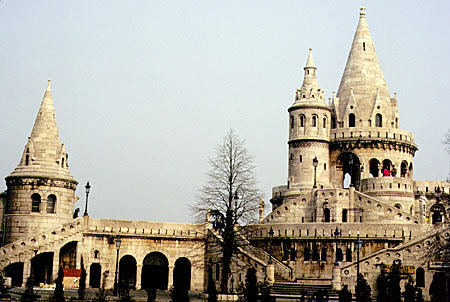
350, 175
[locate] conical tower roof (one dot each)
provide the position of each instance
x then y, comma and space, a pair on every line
362, 76
310, 91
44, 154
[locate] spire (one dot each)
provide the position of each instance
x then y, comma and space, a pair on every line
44, 154
310, 61
362, 72
310, 90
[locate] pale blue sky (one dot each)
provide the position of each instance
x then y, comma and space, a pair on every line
145, 90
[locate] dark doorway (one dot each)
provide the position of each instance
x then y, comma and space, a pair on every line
373, 167
15, 272
155, 271
127, 271
95, 274
350, 164
41, 268
182, 274
344, 215
420, 277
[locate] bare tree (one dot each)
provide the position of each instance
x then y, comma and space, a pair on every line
230, 196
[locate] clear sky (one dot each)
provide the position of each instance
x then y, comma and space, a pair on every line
145, 90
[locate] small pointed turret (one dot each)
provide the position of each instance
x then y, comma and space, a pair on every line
363, 74
310, 90
44, 154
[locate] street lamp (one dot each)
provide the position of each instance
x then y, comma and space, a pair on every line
88, 189
315, 164
358, 244
118, 243
336, 233
270, 244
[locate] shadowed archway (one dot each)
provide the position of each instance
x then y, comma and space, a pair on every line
155, 271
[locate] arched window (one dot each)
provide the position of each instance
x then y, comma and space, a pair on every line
51, 202
420, 277
323, 255
344, 215
378, 120
326, 214
324, 122
315, 254
351, 120
314, 121
96, 254
404, 169
306, 254
348, 255
35, 203
398, 206
292, 122
339, 255
62, 162
302, 120
333, 122
373, 167
27, 159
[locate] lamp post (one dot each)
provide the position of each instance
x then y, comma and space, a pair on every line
315, 164
336, 233
88, 189
358, 244
118, 243
270, 244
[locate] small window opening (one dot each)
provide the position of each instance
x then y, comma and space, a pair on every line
35, 203
351, 120
324, 167
324, 122
51, 201
301, 158
364, 46
302, 121
292, 122
314, 121
96, 254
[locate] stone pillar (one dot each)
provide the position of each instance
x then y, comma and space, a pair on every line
336, 278
55, 265
138, 275
171, 267
270, 273
26, 270
78, 255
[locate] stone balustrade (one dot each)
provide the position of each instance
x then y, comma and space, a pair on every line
372, 133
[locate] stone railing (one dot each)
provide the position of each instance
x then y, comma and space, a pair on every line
26, 247
145, 229
372, 133
394, 184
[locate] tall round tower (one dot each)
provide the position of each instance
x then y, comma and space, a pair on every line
40, 190
309, 134
367, 143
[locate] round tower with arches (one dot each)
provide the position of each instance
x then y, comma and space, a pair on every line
40, 191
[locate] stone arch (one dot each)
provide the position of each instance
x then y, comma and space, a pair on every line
387, 167
51, 203
378, 120
127, 271
351, 120
349, 163
68, 255
302, 120
324, 122
339, 255
35, 203
398, 206
404, 169
95, 274
15, 272
326, 215
155, 271
182, 274
42, 268
420, 277
373, 167
314, 120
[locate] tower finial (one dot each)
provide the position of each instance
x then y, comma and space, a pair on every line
362, 12
310, 61
48, 85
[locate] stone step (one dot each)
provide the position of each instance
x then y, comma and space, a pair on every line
296, 289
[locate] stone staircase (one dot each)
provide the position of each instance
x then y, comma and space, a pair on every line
49, 241
295, 290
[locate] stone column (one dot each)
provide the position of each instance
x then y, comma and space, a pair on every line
138, 275
336, 278
26, 270
78, 255
270, 273
171, 267
55, 265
